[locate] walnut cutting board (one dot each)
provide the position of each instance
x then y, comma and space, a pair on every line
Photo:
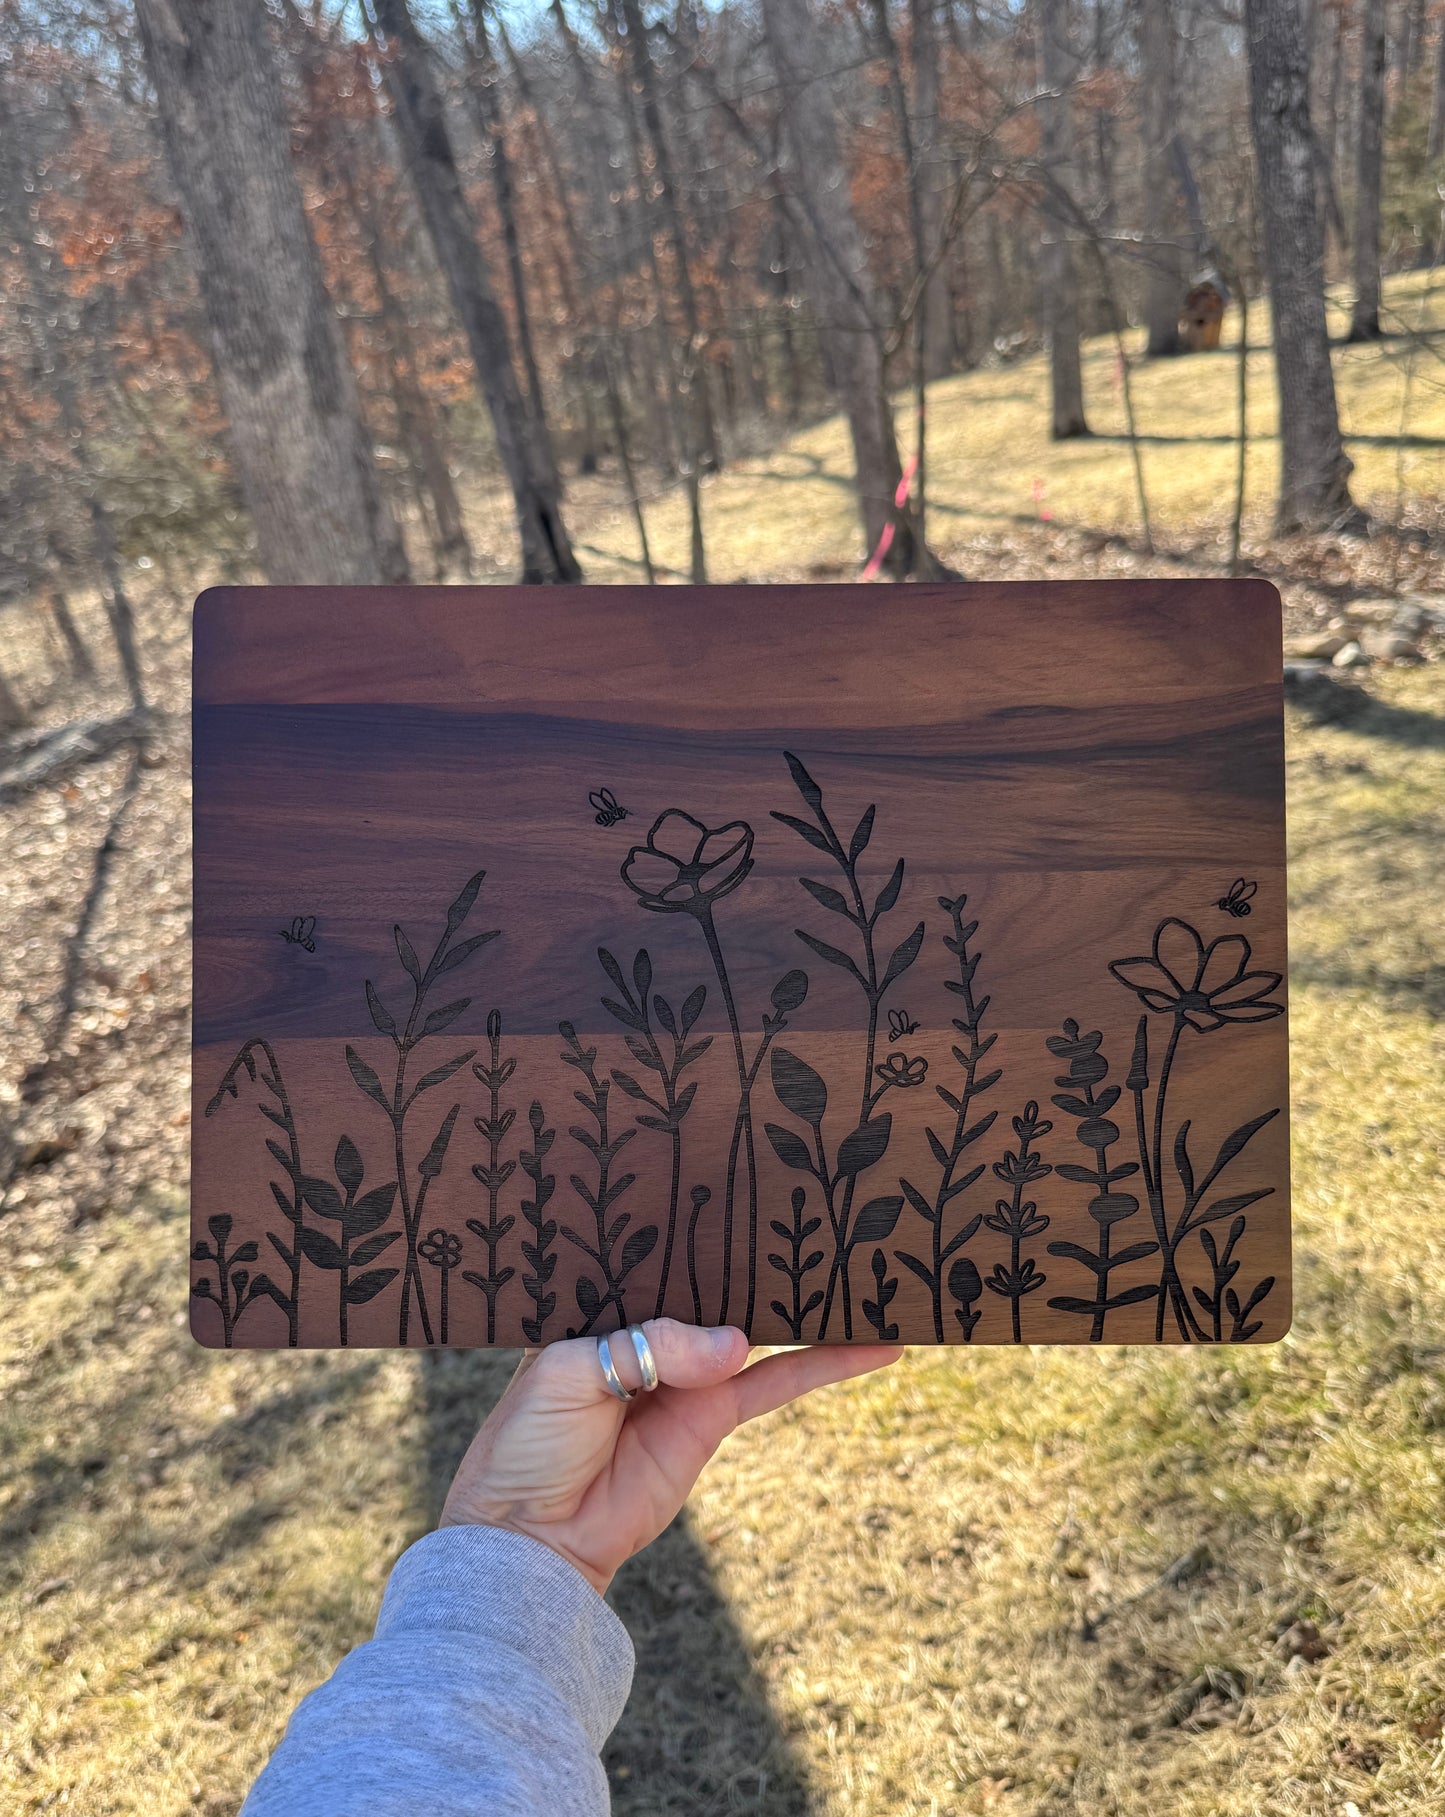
841, 962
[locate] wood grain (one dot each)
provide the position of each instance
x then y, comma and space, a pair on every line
1085, 763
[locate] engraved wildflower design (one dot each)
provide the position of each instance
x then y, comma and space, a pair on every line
685, 867
1204, 986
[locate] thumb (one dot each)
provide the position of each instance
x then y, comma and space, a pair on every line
687, 1356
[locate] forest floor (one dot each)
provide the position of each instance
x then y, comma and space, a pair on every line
1049, 1583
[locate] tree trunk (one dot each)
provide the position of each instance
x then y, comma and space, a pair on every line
1369, 150
936, 302
482, 80
661, 182
1164, 285
303, 456
1314, 491
521, 439
48, 320
838, 273
1436, 142
415, 414
1058, 277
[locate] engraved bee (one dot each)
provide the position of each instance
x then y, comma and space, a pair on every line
609, 810
302, 933
900, 1023
1235, 901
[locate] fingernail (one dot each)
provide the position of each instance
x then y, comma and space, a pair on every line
722, 1340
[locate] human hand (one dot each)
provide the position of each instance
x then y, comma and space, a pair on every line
562, 1460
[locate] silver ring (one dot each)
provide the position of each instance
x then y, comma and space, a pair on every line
609, 1371
646, 1361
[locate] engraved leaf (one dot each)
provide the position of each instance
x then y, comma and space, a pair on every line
371, 1209
692, 1007
366, 1286
464, 950
321, 1196
903, 956
319, 1248
349, 1165
439, 1074
877, 1219
431, 1161
826, 895
444, 1017
831, 953
638, 1247
366, 1078
1237, 1140
368, 1251
862, 833
799, 1088
865, 1146
789, 1148
888, 895
380, 1014
613, 970
804, 783
406, 952
462, 907
819, 841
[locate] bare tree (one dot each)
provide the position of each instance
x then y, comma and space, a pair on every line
936, 303
302, 452
1057, 276
1314, 490
1369, 169
521, 436
49, 325
838, 273
1164, 289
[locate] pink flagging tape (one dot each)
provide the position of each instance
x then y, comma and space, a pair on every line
885, 541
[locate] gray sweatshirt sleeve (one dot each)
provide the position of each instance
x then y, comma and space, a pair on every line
495, 1675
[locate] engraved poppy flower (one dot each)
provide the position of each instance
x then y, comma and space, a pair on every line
1205, 986
898, 1069
685, 867
441, 1248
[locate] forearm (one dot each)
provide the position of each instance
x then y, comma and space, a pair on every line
495, 1675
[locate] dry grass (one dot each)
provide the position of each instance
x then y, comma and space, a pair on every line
791, 513
877, 1603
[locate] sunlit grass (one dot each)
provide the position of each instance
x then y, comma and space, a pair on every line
991, 465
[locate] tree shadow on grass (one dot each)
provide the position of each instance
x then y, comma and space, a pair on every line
698, 1735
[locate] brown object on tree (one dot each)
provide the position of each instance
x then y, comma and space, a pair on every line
303, 456
522, 440
1369, 175
804, 958
1314, 491
837, 273
1162, 251
1058, 279
1203, 317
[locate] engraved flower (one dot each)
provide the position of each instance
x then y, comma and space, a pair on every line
1205, 986
898, 1069
685, 867
441, 1248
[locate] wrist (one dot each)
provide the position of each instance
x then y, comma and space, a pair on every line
599, 1578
